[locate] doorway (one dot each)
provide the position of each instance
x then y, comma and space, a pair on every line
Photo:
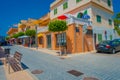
48, 41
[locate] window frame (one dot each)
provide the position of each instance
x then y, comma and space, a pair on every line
109, 3
110, 21
55, 11
65, 5
98, 18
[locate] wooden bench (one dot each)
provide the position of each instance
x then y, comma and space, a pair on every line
15, 62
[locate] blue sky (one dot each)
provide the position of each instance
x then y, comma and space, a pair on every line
12, 11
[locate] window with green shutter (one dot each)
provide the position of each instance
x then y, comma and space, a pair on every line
98, 18
65, 5
109, 3
110, 37
78, 1
99, 37
85, 12
79, 15
110, 22
55, 11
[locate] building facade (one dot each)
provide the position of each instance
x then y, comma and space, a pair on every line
99, 25
100, 12
12, 30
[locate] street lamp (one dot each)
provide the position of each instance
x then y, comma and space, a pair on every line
36, 39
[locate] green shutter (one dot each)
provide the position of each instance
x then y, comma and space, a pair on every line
85, 12
98, 18
110, 37
110, 22
55, 11
99, 37
109, 2
65, 5
78, 1
79, 15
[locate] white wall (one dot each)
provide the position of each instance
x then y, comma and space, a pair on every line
104, 17
71, 5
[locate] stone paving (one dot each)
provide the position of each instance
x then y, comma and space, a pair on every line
2, 72
100, 66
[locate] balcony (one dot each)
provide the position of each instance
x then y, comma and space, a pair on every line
42, 29
78, 21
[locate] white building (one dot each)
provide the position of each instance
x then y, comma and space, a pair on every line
100, 12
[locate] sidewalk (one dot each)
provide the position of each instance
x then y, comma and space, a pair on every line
19, 75
55, 52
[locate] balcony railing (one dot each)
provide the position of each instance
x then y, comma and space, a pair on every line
42, 29
78, 21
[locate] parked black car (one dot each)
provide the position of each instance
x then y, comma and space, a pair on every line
109, 46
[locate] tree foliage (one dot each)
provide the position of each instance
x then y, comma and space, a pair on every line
7, 37
20, 34
15, 35
117, 23
57, 26
118, 16
30, 33
117, 20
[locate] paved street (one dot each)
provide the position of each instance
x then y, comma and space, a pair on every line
101, 66
2, 72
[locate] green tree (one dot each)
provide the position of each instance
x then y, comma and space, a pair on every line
30, 33
7, 38
15, 35
20, 34
57, 26
117, 23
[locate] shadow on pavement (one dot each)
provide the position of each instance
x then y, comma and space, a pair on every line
24, 66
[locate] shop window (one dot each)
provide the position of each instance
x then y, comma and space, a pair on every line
61, 39
77, 29
65, 5
99, 37
89, 32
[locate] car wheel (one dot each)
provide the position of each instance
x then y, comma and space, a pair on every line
113, 51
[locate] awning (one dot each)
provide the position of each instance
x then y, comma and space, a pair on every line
23, 36
62, 17
86, 16
39, 35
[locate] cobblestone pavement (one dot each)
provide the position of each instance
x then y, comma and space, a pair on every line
101, 66
2, 73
